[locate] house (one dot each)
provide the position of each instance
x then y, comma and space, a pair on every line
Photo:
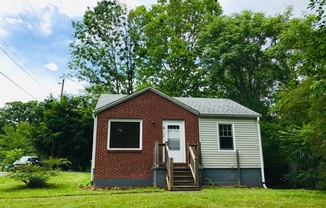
148, 138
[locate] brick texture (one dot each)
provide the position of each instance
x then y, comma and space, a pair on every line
149, 107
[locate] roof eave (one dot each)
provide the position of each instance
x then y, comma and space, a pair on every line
230, 115
127, 97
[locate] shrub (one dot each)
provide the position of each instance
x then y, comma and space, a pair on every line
12, 156
33, 176
57, 163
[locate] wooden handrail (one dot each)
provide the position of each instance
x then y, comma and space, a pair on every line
169, 166
162, 157
193, 164
158, 159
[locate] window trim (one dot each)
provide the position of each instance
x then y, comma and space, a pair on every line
233, 136
127, 121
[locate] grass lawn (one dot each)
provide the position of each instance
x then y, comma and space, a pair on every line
64, 191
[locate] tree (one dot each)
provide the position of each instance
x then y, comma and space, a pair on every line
103, 53
168, 52
300, 105
17, 139
15, 112
239, 59
66, 130
319, 5
303, 119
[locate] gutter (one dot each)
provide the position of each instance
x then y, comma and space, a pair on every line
94, 148
261, 154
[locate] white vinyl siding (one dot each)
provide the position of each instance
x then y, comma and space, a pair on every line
246, 142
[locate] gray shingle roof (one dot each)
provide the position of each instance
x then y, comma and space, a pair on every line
106, 99
217, 106
199, 106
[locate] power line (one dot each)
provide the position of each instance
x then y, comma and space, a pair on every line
46, 40
21, 62
30, 33
22, 68
18, 85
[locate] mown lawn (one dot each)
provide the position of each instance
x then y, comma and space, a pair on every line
65, 191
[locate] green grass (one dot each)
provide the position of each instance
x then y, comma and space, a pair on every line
64, 191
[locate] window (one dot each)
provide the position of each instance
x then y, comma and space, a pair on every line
125, 134
225, 137
174, 137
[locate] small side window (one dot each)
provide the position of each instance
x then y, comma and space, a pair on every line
225, 137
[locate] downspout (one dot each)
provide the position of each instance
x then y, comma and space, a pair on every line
261, 155
94, 148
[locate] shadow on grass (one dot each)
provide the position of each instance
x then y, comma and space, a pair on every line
47, 186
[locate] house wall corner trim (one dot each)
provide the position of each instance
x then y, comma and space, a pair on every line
93, 148
261, 154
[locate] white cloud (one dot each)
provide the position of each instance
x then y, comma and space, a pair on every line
14, 20
51, 66
74, 8
46, 22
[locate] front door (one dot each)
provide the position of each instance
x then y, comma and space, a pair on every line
174, 134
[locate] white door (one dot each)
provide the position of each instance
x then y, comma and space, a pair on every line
174, 134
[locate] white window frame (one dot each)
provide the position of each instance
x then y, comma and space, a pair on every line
127, 121
233, 136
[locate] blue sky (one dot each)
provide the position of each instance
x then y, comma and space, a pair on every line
35, 37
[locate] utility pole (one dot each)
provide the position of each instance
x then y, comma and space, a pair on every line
62, 86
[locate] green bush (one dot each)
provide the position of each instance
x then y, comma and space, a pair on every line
57, 163
12, 155
32, 175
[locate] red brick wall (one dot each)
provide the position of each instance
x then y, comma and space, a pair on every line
149, 107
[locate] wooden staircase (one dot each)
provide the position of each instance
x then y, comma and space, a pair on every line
179, 176
183, 180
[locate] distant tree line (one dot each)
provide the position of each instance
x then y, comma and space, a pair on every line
57, 128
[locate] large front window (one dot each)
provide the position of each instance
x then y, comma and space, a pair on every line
225, 137
125, 134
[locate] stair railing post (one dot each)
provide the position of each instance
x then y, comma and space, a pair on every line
156, 154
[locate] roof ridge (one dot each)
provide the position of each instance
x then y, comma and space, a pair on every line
196, 105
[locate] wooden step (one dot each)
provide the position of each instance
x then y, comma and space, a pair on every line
183, 180
184, 188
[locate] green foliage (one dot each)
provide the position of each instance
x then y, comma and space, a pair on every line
299, 155
15, 137
57, 163
169, 53
15, 112
239, 59
12, 155
103, 53
66, 131
303, 119
320, 6
274, 156
32, 175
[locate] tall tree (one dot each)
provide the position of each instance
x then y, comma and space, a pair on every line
103, 53
302, 118
301, 103
169, 53
66, 130
239, 61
